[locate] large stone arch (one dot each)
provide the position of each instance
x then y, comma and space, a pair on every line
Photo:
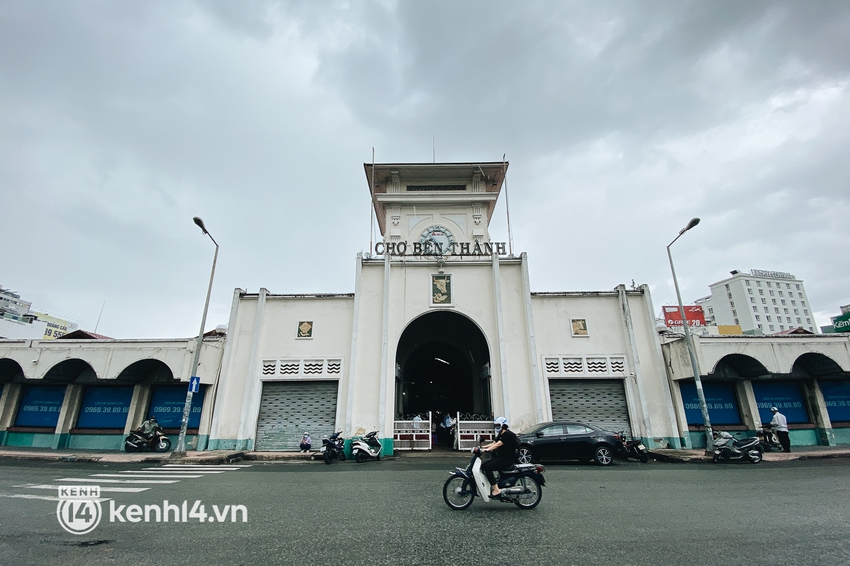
442, 364
817, 366
738, 366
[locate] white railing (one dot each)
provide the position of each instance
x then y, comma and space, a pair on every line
412, 434
469, 434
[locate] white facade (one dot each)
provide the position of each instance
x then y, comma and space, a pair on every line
442, 319
761, 302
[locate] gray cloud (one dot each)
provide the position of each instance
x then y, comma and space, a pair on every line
622, 120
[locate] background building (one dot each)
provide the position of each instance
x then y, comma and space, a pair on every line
19, 322
760, 302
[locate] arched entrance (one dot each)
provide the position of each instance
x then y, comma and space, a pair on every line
442, 365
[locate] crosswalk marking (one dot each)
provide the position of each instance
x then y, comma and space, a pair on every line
173, 471
189, 466
103, 489
168, 476
165, 474
103, 480
42, 497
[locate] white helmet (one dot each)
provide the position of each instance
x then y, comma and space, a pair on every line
500, 421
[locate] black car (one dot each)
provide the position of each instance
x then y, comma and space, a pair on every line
564, 440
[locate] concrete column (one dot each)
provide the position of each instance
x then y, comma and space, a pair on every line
68, 414
680, 427
636, 390
385, 330
503, 364
9, 407
544, 410
138, 404
253, 386
817, 406
747, 404
347, 417
230, 345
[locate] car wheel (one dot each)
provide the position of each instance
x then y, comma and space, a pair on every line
525, 455
603, 455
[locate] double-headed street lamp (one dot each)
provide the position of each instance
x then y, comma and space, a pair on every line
709, 436
187, 408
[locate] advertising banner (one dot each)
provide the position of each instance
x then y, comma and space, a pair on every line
719, 398
785, 396
693, 313
836, 394
167, 404
841, 323
40, 405
105, 407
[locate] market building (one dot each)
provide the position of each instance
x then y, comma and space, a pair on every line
442, 328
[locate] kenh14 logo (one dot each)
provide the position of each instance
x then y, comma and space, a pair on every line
79, 510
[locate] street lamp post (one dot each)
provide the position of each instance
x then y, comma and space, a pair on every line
709, 436
187, 407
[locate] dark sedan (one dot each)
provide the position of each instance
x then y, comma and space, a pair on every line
564, 440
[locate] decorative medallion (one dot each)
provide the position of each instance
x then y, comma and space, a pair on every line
441, 289
579, 326
305, 329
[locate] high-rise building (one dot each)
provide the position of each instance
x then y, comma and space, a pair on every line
760, 302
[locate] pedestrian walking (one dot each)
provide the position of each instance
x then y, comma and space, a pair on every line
780, 425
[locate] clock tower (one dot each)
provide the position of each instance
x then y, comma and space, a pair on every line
437, 209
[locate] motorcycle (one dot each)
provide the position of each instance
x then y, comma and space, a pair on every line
333, 448
768, 438
633, 448
727, 447
158, 442
366, 447
522, 484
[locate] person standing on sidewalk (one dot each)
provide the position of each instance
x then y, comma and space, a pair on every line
780, 425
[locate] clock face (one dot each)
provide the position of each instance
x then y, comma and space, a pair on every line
438, 238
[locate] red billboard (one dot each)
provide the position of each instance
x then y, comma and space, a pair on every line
693, 313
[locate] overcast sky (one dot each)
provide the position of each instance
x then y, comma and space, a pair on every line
120, 121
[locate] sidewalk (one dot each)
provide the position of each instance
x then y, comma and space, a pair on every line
210, 457
797, 453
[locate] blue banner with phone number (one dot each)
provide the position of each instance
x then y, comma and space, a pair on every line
719, 398
167, 406
105, 407
785, 396
836, 394
40, 405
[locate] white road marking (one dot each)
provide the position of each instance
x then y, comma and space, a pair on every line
103, 480
167, 476
42, 497
108, 488
172, 471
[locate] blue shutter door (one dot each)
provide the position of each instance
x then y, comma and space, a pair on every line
719, 398
40, 405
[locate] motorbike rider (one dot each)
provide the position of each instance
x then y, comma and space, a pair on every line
148, 427
505, 446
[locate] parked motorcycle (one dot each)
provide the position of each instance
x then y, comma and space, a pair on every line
522, 484
158, 442
633, 448
768, 438
727, 447
366, 447
333, 448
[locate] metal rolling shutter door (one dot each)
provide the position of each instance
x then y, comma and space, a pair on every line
600, 402
288, 409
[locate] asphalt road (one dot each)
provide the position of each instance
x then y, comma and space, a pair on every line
392, 512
